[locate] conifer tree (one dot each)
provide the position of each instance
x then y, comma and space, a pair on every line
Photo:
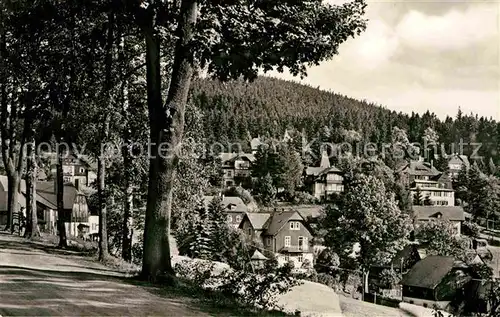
428, 201
417, 198
200, 243
219, 229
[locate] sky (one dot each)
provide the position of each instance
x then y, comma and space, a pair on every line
420, 55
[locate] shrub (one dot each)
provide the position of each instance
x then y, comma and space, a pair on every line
304, 198
471, 229
198, 272
258, 289
389, 278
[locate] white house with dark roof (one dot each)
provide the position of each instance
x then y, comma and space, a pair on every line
324, 180
422, 176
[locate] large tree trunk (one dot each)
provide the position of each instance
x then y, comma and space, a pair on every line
101, 160
14, 181
128, 200
103, 230
61, 228
167, 127
32, 230
127, 217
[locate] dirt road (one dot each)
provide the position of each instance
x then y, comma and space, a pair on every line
36, 280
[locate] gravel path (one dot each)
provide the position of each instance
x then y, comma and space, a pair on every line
39, 281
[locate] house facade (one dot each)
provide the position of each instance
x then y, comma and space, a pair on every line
283, 233
424, 178
456, 162
79, 170
454, 214
434, 281
236, 169
75, 206
325, 180
234, 207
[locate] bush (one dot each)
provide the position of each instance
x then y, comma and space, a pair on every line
328, 280
257, 289
389, 278
471, 229
304, 198
198, 272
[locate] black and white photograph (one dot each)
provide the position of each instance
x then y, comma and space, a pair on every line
314, 158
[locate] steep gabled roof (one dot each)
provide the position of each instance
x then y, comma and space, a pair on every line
258, 220
429, 272
452, 213
231, 157
314, 171
280, 219
258, 256
418, 168
459, 159
46, 193
230, 203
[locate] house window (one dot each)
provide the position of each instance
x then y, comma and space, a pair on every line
300, 258
82, 170
238, 218
303, 243
249, 231
269, 241
229, 218
287, 258
294, 225
288, 241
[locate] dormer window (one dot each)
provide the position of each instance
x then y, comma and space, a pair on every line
294, 225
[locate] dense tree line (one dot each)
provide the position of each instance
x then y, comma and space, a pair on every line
268, 106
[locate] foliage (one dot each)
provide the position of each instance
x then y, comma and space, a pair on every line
304, 198
471, 229
282, 163
327, 262
417, 197
265, 190
254, 289
367, 215
389, 278
440, 238
269, 106
428, 201
261, 288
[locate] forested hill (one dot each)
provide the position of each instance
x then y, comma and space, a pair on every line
268, 106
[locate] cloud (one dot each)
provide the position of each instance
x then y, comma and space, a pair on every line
376, 46
453, 30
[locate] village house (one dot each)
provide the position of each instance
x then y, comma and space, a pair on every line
456, 162
325, 180
79, 170
236, 169
77, 218
284, 233
423, 177
435, 280
234, 207
454, 214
